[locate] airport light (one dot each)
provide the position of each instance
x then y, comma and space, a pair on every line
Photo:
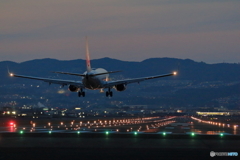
193, 134
11, 124
21, 132
221, 134
164, 133
78, 132
107, 132
135, 133
50, 132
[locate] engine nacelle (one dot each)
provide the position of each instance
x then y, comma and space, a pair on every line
120, 87
73, 88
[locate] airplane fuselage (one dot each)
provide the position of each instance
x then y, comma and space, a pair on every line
95, 82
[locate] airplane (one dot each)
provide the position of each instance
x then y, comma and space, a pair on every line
93, 79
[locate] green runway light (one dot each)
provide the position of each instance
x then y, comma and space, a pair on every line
78, 132
135, 133
49, 132
193, 134
21, 132
107, 132
164, 133
221, 134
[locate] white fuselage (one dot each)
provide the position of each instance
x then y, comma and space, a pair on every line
95, 82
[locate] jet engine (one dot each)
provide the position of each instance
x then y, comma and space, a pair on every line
120, 87
73, 88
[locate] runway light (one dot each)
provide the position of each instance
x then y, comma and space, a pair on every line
193, 134
164, 133
78, 132
221, 134
135, 133
49, 132
107, 132
21, 132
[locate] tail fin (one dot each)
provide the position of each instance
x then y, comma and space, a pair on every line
88, 64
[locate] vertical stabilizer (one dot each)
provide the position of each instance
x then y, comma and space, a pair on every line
88, 64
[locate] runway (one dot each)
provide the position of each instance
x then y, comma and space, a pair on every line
177, 138
167, 125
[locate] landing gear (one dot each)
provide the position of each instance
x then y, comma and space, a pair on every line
109, 93
81, 93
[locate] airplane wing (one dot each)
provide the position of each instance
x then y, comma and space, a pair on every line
135, 80
49, 80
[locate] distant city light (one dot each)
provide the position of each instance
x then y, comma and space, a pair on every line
61, 91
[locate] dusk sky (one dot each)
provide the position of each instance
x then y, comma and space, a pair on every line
133, 30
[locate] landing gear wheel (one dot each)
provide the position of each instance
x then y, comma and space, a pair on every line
79, 94
111, 93
83, 94
107, 93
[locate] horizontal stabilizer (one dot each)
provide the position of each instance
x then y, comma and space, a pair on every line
105, 73
74, 74
83, 75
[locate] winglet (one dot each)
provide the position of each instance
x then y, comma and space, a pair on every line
176, 72
88, 64
8, 70
9, 73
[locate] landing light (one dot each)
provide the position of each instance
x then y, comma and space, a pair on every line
11, 74
174, 73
